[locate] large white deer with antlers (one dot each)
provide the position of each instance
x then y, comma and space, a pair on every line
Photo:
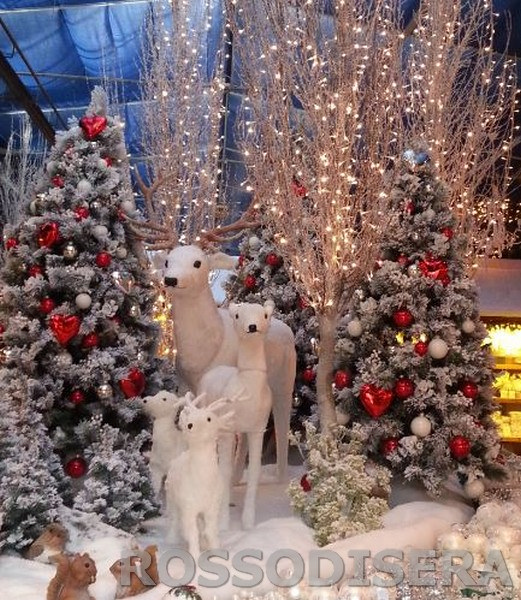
204, 334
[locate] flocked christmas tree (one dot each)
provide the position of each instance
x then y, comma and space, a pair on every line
413, 346
261, 275
77, 337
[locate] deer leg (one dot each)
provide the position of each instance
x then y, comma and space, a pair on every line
254, 470
188, 518
211, 519
240, 458
281, 419
225, 452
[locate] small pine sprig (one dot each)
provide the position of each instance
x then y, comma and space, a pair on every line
344, 495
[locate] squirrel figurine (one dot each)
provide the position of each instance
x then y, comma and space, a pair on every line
73, 577
51, 541
136, 586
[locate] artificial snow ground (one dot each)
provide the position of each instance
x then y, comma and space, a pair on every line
414, 523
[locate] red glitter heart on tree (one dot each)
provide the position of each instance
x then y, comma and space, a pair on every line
64, 327
49, 235
133, 384
375, 400
92, 126
435, 269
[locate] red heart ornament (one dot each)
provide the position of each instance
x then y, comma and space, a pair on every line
92, 126
64, 327
434, 268
133, 384
49, 235
375, 400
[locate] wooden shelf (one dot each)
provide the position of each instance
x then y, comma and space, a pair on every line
511, 440
507, 367
507, 400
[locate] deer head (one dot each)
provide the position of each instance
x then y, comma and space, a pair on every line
202, 424
251, 318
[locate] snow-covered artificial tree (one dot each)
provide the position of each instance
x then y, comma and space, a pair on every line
76, 295
261, 275
342, 494
413, 346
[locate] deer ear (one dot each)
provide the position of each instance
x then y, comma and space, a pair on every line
220, 260
158, 260
269, 307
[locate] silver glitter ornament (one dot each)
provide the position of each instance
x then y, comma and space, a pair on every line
95, 205
124, 280
70, 252
121, 252
104, 391
134, 311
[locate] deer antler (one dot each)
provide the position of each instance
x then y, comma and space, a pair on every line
217, 235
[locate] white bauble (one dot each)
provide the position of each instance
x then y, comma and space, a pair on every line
83, 301
468, 326
128, 207
453, 540
100, 232
421, 426
254, 242
51, 166
84, 187
354, 328
121, 252
33, 207
514, 555
507, 535
438, 348
489, 514
341, 417
476, 543
474, 489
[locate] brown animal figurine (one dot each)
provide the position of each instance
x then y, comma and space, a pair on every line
136, 586
51, 541
73, 577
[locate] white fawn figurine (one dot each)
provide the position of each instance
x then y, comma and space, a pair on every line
248, 383
167, 441
194, 484
205, 337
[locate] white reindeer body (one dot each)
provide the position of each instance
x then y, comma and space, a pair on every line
247, 383
205, 337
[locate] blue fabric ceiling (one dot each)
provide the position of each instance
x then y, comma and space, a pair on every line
73, 45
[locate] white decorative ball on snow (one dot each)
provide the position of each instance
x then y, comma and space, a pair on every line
438, 348
128, 207
452, 540
83, 301
421, 426
507, 535
489, 514
476, 543
474, 489
515, 555
341, 417
84, 187
100, 232
468, 326
254, 242
121, 252
354, 328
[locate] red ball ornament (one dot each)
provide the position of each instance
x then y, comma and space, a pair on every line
48, 235
302, 303
35, 270
404, 388
250, 282
81, 212
469, 389
77, 397
298, 189
57, 181
448, 232
133, 384
47, 305
92, 126
342, 379
108, 161
241, 260
304, 483
403, 260
2, 329
308, 375
273, 260
11, 243
76, 467
103, 259
409, 207
421, 348
459, 447
91, 340
402, 318
389, 445
64, 327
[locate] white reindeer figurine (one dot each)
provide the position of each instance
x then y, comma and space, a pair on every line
248, 382
194, 484
167, 441
205, 336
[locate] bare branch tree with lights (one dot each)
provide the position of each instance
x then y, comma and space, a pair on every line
334, 97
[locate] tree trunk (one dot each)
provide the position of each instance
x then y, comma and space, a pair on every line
327, 332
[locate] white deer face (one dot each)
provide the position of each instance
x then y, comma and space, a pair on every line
186, 268
251, 318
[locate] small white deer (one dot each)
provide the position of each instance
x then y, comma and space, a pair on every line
205, 336
248, 383
167, 442
194, 484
